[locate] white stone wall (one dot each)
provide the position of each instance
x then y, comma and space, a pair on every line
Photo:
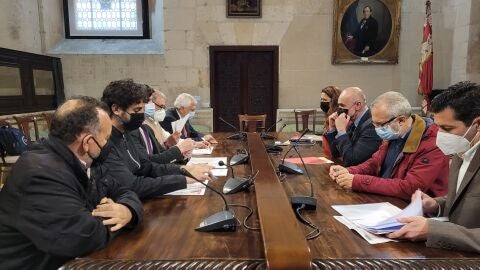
301, 28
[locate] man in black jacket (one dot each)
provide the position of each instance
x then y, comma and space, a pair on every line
50, 209
185, 106
366, 34
132, 168
351, 134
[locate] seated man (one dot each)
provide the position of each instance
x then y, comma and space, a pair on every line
408, 159
457, 113
145, 137
185, 106
132, 168
51, 210
350, 133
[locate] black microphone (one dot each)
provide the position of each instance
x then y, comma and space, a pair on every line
288, 167
265, 134
307, 202
221, 221
272, 148
236, 184
239, 135
240, 158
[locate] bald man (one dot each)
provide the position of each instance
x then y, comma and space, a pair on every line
51, 210
351, 134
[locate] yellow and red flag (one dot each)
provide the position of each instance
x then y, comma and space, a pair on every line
425, 83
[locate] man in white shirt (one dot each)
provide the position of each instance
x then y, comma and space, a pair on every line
457, 113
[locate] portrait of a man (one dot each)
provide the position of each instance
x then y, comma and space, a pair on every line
244, 8
366, 27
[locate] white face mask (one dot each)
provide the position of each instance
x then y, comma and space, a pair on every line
453, 144
159, 116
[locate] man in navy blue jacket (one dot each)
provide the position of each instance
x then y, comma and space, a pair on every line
351, 134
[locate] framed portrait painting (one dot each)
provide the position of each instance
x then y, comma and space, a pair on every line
366, 31
244, 8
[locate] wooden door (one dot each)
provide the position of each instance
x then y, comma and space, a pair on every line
243, 80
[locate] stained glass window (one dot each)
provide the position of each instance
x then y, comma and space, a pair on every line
106, 18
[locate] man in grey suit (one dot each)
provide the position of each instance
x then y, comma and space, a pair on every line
457, 113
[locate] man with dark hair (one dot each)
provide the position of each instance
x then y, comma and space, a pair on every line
366, 34
51, 209
457, 113
132, 168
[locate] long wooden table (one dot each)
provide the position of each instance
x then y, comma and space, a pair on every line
167, 240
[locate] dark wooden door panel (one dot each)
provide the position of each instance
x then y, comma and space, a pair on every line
243, 80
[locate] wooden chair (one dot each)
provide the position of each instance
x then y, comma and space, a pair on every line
48, 116
252, 122
305, 116
24, 122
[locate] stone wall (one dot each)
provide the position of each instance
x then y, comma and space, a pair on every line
301, 28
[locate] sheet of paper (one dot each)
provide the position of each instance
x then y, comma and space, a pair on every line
195, 189
179, 124
309, 160
204, 151
212, 161
369, 237
219, 172
379, 218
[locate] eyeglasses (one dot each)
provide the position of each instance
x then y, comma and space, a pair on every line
384, 123
159, 106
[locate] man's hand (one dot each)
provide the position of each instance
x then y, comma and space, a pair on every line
341, 122
331, 121
201, 144
345, 180
199, 171
415, 229
336, 170
186, 145
113, 213
209, 138
430, 206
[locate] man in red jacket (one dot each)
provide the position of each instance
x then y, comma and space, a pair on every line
407, 160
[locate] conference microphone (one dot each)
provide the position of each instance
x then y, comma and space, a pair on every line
275, 149
239, 135
265, 134
236, 184
221, 221
241, 157
288, 167
307, 202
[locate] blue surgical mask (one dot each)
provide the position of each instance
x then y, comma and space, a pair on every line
191, 115
150, 109
387, 133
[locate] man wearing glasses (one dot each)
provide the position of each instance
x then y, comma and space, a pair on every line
407, 160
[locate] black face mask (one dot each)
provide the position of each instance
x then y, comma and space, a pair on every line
342, 110
325, 106
136, 120
104, 152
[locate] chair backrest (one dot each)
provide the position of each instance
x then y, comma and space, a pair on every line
252, 122
305, 116
24, 122
48, 116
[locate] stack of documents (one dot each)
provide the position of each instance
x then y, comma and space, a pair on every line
212, 161
192, 189
203, 151
376, 218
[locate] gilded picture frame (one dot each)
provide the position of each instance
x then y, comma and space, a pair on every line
366, 31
